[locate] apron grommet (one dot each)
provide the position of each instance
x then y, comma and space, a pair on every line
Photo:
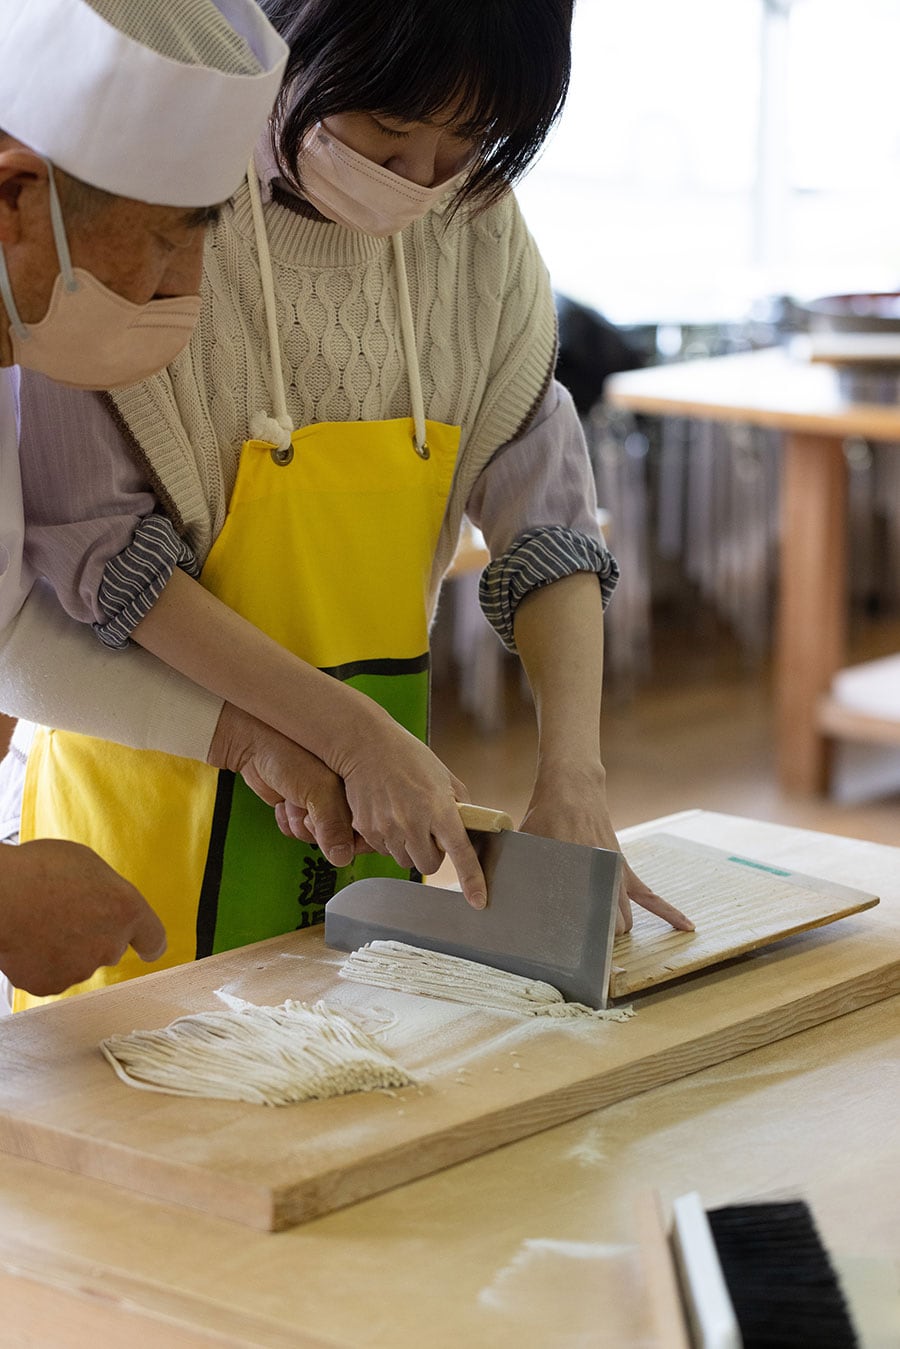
421, 450
282, 457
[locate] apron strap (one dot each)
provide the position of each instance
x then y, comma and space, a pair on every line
409, 346
279, 429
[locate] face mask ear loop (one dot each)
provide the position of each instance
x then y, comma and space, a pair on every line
9, 303
407, 328
62, 253
59, 232
278, 429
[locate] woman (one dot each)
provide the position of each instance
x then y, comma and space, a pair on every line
374, 357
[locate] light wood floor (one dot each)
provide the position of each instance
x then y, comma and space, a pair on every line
698, 735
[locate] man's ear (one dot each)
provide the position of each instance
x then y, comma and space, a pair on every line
21, 170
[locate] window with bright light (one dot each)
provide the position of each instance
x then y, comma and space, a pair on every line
713, 151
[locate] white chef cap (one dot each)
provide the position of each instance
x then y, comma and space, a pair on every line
158, 101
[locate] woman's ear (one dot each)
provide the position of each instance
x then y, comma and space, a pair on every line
21, 170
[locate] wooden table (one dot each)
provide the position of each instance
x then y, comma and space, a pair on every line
530, 1245
802, 399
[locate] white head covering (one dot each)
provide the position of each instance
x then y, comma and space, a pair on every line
157, 101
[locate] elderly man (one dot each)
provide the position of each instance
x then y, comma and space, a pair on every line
122, 126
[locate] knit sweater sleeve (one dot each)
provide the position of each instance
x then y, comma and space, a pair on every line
516, 339
514, 345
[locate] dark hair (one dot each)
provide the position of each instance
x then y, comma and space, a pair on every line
506, 62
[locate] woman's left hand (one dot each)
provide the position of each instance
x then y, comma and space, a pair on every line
574, 810
559, 633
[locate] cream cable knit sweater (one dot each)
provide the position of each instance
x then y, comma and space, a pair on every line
485, 330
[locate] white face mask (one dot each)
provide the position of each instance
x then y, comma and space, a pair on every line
352, 191
90, 337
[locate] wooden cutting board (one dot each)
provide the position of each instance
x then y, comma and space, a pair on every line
483, 1080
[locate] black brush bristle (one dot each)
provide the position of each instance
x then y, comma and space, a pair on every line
783, 1286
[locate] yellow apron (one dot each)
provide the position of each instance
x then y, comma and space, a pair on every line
330, 554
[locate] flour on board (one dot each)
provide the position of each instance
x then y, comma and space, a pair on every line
409, 969
265, 1055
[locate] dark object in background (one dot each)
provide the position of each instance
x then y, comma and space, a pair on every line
864, 312
590, 348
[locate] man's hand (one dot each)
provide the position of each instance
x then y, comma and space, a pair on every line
391, 794
64, 912
308, 797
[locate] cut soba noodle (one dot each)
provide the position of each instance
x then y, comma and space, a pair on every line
409, 969
265, 1055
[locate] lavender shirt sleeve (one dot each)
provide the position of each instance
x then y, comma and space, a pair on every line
83, 496
536, 504
93, 528
52, 670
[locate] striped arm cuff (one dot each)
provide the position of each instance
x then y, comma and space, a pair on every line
134, 580
537, 558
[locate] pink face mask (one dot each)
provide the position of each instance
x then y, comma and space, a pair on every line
90, 337
352, 191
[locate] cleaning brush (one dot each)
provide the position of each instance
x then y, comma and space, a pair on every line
780, 1279
746, 1276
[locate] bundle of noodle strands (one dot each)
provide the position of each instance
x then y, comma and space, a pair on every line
264, 1055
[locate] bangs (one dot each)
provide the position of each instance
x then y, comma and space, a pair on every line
500, 66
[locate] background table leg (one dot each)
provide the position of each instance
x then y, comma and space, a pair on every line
812, 611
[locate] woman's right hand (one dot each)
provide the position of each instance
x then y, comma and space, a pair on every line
404, 803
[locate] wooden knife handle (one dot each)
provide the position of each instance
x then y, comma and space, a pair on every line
484, 818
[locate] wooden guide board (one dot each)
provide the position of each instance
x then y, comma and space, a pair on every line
483, 1079
737, 904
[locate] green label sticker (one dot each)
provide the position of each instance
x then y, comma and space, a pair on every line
760, 866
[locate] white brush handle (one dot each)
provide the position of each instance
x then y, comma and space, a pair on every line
710, 1311
484, 818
